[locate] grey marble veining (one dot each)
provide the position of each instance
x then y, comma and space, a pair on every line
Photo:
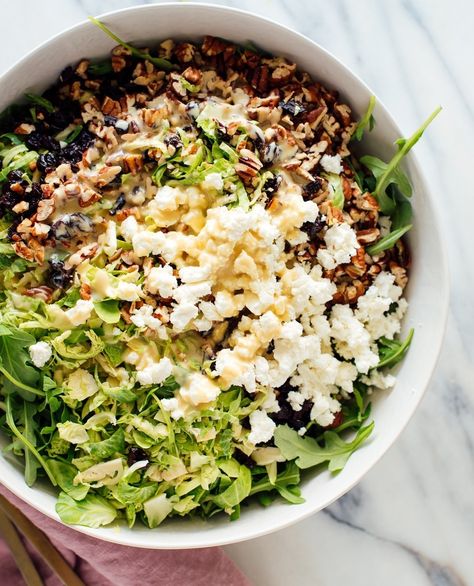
411, 520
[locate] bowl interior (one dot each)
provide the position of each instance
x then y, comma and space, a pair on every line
427, 293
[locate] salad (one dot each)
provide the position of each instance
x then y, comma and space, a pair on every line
201, 281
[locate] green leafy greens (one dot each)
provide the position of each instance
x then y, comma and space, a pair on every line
158, 61
308, 452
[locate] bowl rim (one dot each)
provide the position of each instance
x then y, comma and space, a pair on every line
120, 538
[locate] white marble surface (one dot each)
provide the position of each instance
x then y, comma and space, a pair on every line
411, 520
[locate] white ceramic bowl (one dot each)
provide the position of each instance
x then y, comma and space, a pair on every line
427, 291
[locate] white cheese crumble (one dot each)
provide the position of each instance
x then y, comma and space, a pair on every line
146, 243
143, 318
332, 164
353, 341
342, 245
198, 391
261, 427
162, 281
80, 313
213, 181
40, 353
156, 373
128, 228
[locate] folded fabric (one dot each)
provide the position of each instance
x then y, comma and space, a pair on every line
100, 563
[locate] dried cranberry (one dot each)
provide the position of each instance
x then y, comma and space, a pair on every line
173, 140
110, 120
38, 140
135, 454
244, 459
12, 229
312, 228
47, 161
58, 276
33, 195
118, 205
286, 414
312, 188
7, 201
15, 176
58, 120
271, 185
67, 74
72, 153
292, 107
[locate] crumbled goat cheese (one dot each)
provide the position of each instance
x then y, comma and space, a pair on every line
121, 125
379, 380
146, 243
125, 291
174, 406
372, 307
213, 181
155, 373
332, 164
199, 388
197, 392
353, 341
162, 281
109, 239
261, 426
143, 318
129, 227
342, 245
40, 353
169, 198
80, 313
182, 314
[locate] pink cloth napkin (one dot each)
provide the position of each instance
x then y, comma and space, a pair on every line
100, 563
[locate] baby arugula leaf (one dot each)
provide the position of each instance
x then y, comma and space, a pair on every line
158, 61
308, 452
389, 173
393, 351
29, 425
388, 241
286, 484
40, 101
12, 409
367, 120
20, 376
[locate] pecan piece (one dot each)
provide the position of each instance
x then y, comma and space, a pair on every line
212, 46
45, 209
110, 107
367, 236
134, 163
42, 292
248, 166
22, 250
260, 79
85, 292
184, 52
88, 197
193, 75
